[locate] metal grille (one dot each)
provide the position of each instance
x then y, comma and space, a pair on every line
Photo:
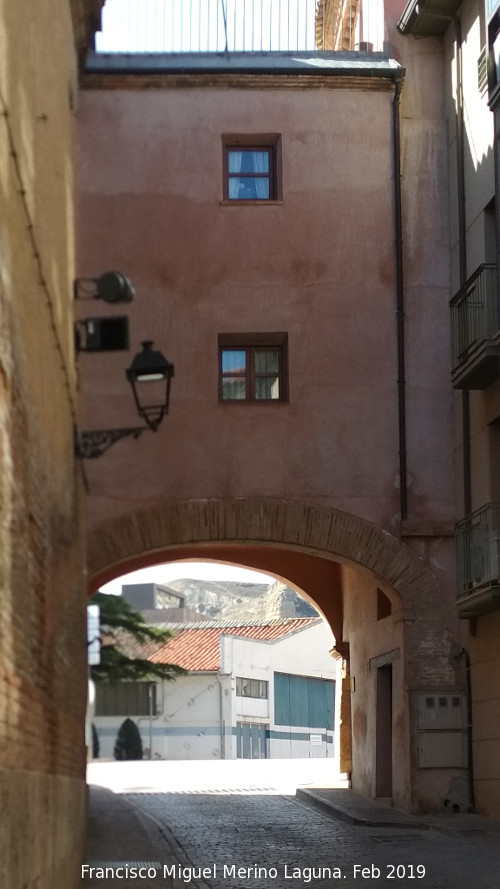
482, 71
478, 549
474, 313
216, 25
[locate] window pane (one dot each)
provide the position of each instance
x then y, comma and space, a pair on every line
247, 161
125, 699
234, 388
233, 361
252, 188
267, 361
251, 688
267, 388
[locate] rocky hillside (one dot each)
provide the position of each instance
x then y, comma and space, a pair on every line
235, 601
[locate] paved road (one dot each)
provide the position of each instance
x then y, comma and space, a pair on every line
249, 837
273, 775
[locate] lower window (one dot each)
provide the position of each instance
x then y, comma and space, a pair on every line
252, 367
125, 699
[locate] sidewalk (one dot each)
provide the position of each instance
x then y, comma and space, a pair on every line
351, 808
118, 835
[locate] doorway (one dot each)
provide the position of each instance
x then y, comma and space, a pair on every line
251, 740
384, 732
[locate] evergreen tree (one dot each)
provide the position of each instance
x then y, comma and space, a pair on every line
128, 743
126, 642
95, 743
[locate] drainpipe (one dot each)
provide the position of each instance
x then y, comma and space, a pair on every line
150, 718
400, 311
220, 677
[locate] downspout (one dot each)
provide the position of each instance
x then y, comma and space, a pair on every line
221, 714
400, 309
150, 717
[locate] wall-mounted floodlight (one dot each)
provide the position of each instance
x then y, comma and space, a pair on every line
149, 375
112, 287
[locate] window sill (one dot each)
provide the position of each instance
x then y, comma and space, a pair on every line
263, 203
246, 402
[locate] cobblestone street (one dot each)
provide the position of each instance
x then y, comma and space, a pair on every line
284, 843
248, 835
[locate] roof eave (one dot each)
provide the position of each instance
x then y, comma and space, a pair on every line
427, 18
322, 64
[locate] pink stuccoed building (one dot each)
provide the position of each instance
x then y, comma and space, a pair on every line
283, 219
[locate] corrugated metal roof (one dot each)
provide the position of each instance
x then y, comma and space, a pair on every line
196, 647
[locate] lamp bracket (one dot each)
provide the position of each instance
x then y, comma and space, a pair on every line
96, 442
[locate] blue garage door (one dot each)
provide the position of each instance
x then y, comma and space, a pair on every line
303, 701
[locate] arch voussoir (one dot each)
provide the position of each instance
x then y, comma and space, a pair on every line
287, 523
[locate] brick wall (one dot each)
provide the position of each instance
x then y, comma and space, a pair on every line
42, 633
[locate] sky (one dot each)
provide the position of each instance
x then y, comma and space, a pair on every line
198, 25
198, 570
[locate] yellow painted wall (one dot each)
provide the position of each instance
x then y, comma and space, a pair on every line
42, 642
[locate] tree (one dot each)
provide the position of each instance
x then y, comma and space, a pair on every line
95, 743
126, 643
128, 743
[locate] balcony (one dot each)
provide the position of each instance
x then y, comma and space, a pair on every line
235, 26
475, 335
478, 562
187, 26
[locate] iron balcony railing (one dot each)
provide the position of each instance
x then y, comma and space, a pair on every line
478, 550
474, 313
168, 26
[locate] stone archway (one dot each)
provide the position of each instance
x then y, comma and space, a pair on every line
124, 541
184, 529
304, 536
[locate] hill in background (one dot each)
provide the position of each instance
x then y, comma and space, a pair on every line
224, 600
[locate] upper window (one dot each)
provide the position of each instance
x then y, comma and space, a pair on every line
251, 688
252, 367
251, 168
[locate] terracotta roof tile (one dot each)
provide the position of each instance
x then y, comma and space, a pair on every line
198, 648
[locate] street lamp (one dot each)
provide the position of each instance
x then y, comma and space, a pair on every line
149, 375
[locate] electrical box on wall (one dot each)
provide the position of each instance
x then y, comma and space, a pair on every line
440, 712
442, 750
442, 730
102, 334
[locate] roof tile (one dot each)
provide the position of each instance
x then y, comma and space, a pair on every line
198, 648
